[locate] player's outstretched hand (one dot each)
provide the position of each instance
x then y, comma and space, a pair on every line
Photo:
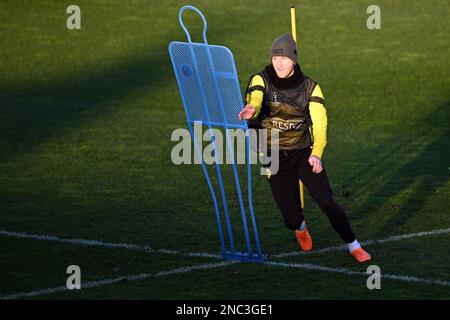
247, 112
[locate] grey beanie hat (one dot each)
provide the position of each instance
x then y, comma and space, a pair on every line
284, 46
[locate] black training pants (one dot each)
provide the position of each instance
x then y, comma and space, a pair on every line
284, 184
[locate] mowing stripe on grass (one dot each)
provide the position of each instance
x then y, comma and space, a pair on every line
96, 243
106, 282
367, 242
314, 267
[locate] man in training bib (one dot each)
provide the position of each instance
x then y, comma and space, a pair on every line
282, 98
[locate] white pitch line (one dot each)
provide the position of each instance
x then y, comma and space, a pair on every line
314, 267
211, 266
106, 282
367, 242
145, 248
96, 243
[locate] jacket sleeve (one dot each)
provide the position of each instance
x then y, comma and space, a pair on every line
255, 93
319, 122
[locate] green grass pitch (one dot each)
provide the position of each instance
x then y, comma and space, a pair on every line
86, 118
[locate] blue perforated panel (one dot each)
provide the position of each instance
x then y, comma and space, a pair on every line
208, 83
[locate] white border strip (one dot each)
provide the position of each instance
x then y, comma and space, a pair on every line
106, 282
367, 242
96, 243
314, 267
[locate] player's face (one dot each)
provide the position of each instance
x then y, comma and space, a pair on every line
284, 66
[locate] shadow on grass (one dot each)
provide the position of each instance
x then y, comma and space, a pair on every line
398, 170
35, 113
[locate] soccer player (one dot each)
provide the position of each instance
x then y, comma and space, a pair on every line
282, 98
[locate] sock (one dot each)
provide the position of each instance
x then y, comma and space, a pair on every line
353, 246
303, 226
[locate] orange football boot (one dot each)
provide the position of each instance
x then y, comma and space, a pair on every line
361, 255
304, 239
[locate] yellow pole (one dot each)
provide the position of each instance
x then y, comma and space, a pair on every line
293, 24
294, 34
